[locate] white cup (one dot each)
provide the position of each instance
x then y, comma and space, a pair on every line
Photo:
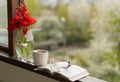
40, 57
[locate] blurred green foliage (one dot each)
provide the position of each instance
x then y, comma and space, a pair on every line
79, 30
51, 28
35, 8
62, 11
91, 24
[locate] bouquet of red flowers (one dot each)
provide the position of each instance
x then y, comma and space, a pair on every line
22, 20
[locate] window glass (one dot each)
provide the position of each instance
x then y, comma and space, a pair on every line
85, 32
3, 23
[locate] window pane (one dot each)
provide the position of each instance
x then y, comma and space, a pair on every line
91, 29
3, 23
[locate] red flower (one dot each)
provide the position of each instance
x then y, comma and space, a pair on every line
32, 21
25, 21
26, 14
25, 30
21, 19
25, 8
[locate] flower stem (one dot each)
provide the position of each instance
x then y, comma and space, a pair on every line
22, 36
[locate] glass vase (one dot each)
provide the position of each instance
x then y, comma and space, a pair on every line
30, 46
24, 46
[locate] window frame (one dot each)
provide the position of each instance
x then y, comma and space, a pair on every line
11, 34
11, 6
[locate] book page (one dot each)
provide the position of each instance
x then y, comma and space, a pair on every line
47, 67
79, 76
73, 70
58, 66
72, 73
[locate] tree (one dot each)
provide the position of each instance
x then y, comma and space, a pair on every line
35, 7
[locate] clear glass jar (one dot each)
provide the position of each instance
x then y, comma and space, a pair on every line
24, 46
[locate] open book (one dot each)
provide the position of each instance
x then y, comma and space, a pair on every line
72, 73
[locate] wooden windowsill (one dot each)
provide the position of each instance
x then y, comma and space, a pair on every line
30, 67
